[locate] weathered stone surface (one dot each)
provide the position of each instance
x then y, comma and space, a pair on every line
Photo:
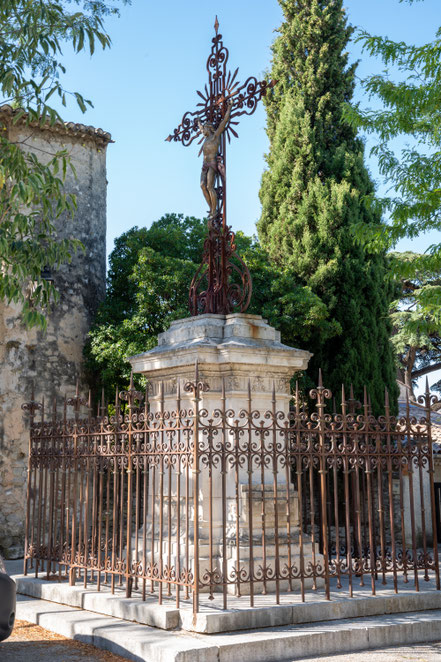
51, 361
270, 644
240, 357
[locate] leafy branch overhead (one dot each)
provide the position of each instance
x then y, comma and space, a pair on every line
417, 334
313, 193
32, 197
148, 282
410, 103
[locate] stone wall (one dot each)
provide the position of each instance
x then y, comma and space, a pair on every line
51, 361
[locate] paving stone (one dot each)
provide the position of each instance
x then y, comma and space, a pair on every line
101, 602
285, 643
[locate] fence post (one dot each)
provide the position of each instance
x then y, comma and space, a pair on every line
428, 400
30, 407
196, 388
320, 393
129, 491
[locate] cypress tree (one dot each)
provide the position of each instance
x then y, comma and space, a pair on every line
315, 189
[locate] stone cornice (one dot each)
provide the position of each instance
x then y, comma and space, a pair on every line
71, 129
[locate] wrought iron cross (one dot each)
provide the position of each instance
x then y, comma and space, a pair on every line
222, 284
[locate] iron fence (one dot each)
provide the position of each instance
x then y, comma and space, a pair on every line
187, 501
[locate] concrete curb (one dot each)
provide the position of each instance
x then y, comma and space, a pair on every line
102, 602
145, 644
212, 621
310, 612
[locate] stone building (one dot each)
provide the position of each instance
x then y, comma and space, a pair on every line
51, 361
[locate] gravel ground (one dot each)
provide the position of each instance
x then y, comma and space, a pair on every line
31, 643
415, 653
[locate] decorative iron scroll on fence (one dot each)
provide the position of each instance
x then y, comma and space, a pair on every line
188, 502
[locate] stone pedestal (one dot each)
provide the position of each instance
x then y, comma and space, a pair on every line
243, 361
235, 347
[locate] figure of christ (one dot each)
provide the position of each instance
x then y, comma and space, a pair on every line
212, 164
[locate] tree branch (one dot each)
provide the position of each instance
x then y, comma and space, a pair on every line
426, 370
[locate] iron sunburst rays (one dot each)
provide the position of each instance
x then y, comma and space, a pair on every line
222, 85
222, 284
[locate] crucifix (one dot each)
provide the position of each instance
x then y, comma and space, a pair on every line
222, 284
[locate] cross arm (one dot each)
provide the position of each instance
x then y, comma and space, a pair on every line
188, 129
241, 99
247, 96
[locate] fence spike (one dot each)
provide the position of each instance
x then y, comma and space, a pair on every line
196, 371
320, 379
131, 380
365, 401
343, 400
101, 407
426, 395
161, 395
146, 401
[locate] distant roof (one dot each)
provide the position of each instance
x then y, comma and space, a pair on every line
419, 412
64, 128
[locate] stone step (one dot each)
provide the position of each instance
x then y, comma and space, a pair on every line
278, 644
239, 615
104, 602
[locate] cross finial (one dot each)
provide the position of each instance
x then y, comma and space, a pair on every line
222, 101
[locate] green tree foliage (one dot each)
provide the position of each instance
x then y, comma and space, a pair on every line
410, 109
417, 334
148, 283
31, 191
313, 192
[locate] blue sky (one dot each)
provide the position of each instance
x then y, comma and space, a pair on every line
143, 85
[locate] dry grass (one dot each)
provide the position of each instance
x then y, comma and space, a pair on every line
26, 632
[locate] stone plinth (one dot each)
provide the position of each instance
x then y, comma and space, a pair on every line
245, 365
238, 348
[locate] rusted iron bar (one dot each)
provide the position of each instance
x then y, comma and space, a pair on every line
163, 494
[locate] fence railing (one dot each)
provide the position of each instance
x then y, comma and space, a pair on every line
187, 502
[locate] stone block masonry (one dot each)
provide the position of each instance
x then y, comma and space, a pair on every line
52, 361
